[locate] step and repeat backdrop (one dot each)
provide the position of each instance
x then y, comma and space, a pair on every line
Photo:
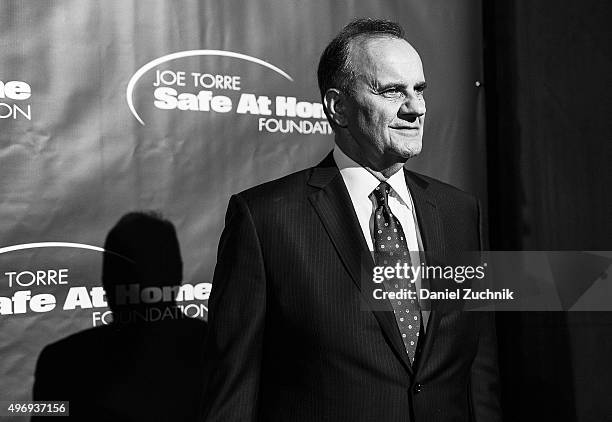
115, 107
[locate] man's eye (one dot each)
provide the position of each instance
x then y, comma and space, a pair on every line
392, 93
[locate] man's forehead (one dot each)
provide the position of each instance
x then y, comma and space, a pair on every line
383, 55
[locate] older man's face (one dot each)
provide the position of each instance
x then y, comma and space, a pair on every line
385, 109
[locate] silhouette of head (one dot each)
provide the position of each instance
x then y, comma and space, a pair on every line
142, 249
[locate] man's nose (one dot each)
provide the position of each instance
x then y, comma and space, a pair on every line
413, 106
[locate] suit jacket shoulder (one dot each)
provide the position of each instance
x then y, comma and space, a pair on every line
458, 211
287, 187
441, 189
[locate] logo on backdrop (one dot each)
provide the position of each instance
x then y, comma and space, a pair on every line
208, 91
25, 290
14, 96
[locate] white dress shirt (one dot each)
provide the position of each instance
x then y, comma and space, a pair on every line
360, 183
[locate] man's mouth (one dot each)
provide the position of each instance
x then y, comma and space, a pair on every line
407, 128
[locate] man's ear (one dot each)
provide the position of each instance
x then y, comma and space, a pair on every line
335, 105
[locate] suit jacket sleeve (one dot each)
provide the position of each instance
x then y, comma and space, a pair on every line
236, 315
484, 375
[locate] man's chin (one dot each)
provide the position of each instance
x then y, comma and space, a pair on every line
412, 149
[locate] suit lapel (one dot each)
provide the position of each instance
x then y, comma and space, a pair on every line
430, 226
428, 216
334, 207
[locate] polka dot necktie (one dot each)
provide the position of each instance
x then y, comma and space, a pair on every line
390, 247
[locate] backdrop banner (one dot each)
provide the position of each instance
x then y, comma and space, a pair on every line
118, 106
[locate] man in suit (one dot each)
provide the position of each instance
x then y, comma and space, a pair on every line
291, 337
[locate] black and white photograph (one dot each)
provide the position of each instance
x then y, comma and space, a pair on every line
288, 210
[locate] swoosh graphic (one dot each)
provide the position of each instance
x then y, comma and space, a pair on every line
189, 53
24, 246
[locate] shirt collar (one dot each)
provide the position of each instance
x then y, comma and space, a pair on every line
398, 183
361, 182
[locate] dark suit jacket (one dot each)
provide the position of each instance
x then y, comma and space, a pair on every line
289, 338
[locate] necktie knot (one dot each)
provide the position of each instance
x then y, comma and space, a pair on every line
381, 193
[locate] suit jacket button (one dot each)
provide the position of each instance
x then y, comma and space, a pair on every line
417, 388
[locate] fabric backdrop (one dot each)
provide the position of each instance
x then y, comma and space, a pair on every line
89, 133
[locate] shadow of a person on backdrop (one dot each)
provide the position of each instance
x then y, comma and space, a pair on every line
147, 364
